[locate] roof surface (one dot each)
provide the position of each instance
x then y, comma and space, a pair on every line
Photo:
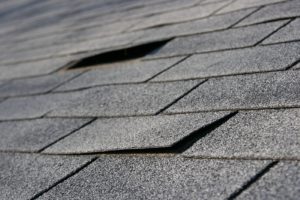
158, 99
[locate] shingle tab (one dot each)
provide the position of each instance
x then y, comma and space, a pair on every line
273, 12
253, 134
156, 178
257, 59
242, 4
195, 12
288, 33
277, 89
133, 133
37, 85
281, 182
33, 106
24, 175
34, 135
213, 23
228, 39
116, 73
35, 68
124, 100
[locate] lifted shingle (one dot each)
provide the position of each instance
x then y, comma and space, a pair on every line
133, 133
121, 72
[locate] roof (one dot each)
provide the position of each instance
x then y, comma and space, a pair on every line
160, 99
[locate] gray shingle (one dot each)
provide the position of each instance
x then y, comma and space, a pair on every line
156, 178
35, 85
36, 68
253, 134
182, 15
133, 133
33, 106
116, 73
212, 23
280, 89
288, 33
297, 66
257, 59
228, 39
25, 175
242, 4
124, 100
34, 135
281, 182
273, 12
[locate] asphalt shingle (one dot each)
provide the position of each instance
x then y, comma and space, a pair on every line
24, 175
35, 68
273, 12
133, 133
203, 25
288, 33
228, 39
34, 135
187, 14
33, 106
125, 100
116, 73
253, 134
156, 178
242, 4
257, 59
277, 89
281, 182
37, 85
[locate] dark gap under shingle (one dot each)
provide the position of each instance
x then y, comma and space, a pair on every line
118, 55
176, 148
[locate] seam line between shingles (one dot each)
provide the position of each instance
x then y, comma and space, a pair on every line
273, 32
254, 179
63, 179
180, 97
240, 20
159, 73
61, 138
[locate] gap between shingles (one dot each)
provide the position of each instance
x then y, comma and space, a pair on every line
63, 179
254, 179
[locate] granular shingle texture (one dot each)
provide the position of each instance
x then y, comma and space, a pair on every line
34, 135
24, 176
133, 133
216, 41
159, 99
254, 134
124, 100
282, 182
275, 90
156, 178
241, 61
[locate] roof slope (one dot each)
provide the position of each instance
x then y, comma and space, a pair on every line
160, 99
